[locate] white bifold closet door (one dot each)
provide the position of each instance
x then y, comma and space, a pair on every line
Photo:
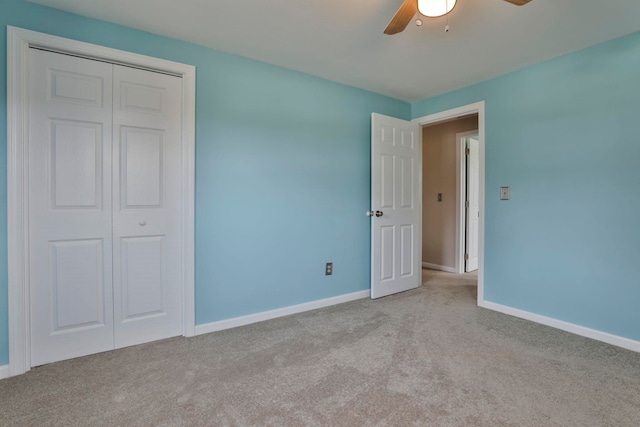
104, 206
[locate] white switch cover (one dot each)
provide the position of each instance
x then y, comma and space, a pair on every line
504, 193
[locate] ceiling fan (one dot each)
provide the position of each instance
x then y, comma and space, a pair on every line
429, 8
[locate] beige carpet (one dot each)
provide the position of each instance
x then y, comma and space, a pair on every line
427, 357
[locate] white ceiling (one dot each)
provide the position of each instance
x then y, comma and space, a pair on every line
343, 40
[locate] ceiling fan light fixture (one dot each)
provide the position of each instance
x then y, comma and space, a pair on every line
435, 8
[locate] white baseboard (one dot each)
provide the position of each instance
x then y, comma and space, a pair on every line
4, 371
279, 312
608, 338
439, 267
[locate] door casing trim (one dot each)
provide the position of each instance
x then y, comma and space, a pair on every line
465, 110
18, 43
461, 186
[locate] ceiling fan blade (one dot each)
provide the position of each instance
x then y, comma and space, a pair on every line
518, 2
402, 17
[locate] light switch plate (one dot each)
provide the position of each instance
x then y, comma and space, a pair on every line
504, 193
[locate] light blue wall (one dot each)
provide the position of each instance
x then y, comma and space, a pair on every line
282, 178
282, 172
564, 135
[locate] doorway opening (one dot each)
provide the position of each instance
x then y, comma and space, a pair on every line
452, 233
449, 193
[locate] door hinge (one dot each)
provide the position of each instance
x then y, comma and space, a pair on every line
466, 257
467, 151
466, 204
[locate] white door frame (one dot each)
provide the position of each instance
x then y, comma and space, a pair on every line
18, 43
461, 186
476, 108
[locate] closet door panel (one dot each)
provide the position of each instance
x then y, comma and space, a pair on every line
69, 181
147, 207
104, 206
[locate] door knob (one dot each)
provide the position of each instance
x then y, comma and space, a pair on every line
143, 223
378, 214
370, 213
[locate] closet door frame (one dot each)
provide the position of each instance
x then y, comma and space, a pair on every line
19, 41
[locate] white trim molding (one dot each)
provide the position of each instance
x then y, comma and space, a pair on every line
476, 108
4, 372
606, 337
461, 187
279, 312
439, 267
18, 43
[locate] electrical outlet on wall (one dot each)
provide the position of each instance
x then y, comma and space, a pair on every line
328, 269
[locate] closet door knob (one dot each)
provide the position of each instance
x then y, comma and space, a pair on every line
143, 223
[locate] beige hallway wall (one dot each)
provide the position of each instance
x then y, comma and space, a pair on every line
439, 176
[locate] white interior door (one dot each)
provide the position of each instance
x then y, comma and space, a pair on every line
147, 208
473, 204
396, 206
104, 206
69, 207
